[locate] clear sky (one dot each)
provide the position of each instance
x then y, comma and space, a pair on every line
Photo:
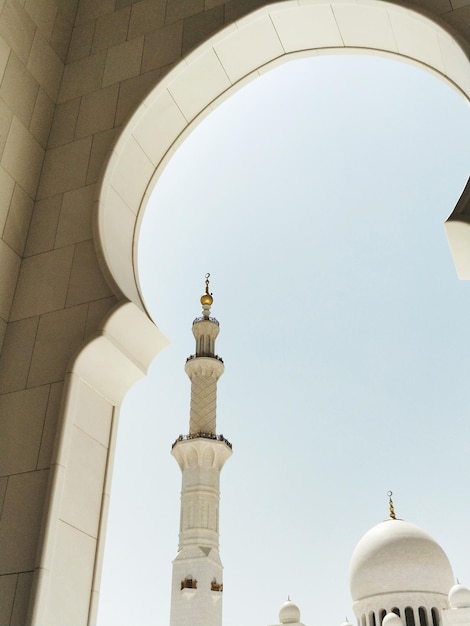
316, 197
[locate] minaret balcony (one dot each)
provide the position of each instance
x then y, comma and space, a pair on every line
205, 319
203, 365
212, 436
202, 452
208, 356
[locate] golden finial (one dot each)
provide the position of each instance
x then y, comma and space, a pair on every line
206, 298
390, 504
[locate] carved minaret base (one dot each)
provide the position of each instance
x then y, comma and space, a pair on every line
196, 597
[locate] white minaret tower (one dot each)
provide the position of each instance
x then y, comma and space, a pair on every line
196, 596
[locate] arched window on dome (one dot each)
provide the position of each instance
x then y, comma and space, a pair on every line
435, 617
396, 611
382, 614
372, 621
423, 616
409, 616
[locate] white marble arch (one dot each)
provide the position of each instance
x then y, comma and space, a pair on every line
100, 375
226, 61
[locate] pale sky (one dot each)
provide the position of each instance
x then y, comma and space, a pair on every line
316, 197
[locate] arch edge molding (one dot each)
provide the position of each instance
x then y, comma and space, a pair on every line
68, 566
224, 63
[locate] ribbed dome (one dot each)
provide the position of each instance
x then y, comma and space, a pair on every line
289, 613
397, 556
459, 597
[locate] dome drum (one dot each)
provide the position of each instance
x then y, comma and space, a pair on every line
385, 603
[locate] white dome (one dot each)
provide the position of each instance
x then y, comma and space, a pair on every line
397, 556
392, 620
289, 613
459, 597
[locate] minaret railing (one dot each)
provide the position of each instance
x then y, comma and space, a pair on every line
201, 436
207, 356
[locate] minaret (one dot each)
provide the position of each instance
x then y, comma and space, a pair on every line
196, 596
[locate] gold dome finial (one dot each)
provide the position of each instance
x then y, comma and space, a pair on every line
206, 298
390, 505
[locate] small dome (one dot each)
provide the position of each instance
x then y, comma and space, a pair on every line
391, 619
459, 597
396, 556
289, 613
346, 623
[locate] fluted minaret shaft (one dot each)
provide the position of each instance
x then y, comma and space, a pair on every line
204, 370
197, 569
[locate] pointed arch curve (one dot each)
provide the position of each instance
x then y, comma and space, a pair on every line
227, 61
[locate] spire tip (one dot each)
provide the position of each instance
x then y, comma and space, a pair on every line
390, 505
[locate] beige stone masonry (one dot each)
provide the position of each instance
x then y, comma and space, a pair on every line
15, 586
99, 151
81, 42
63, 25
15, 360
45, 65
43, 283
3, 331
22, 157
86, 279
123, 61
201, 26
22, 593
43, 15
49, 431
64, 123
97, 311
21, 520
8, 584
17, 28
146, 17
43, 225
57, 332
10, 264
6, 116
82, 76
7, 186
97, 111
22, 416
19, 217
111, 30
42, 117
74, 224
65, 168
90, 9
163, 46
19, 89
4, 55
133, 91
